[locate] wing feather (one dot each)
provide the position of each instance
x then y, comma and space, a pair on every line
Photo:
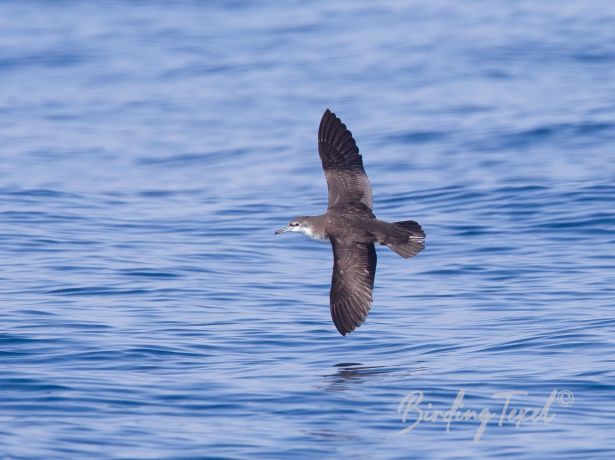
354, 269
348, 185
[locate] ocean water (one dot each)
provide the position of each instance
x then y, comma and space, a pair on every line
148, 150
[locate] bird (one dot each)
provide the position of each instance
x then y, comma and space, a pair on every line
351, 226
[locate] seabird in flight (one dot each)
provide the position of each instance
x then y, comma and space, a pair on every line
351, 226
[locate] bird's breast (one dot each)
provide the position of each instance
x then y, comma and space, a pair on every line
316, 236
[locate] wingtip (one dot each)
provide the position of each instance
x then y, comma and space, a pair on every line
344, 330
328, 113
326, 120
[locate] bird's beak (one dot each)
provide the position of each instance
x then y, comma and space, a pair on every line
281, 230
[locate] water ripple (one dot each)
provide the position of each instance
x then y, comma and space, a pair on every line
148, 154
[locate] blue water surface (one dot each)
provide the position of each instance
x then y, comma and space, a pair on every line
148, 150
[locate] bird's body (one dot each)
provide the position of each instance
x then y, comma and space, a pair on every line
351, 226
362, 229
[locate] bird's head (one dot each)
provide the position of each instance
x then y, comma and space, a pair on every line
297, 224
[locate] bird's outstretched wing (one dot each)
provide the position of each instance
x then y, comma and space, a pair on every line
349, 187
354, 269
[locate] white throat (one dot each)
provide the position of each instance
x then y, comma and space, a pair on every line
307, 231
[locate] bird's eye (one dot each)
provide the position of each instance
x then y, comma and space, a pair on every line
293, 224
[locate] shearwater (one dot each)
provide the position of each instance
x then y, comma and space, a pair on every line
351, 226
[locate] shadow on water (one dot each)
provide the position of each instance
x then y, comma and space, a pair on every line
347, 373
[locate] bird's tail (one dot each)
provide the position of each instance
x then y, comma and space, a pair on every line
406, 238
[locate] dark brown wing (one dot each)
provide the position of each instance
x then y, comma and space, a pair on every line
349, 187
354, 268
